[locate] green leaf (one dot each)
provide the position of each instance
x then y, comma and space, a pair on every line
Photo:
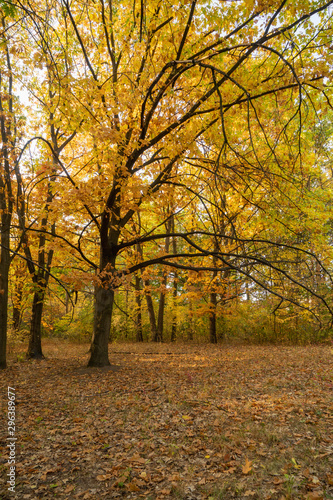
9, 9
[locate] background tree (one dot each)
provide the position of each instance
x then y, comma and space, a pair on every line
11, 125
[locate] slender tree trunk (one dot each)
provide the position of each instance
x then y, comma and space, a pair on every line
41, 280
174, 287
7, 136
150, 304
151, 313
138, 320
160, 317
174, 312
4, 275
213, 305
212, 318
161, 305
17, 304
41, 274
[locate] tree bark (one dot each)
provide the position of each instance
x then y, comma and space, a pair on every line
160, 317
151, 313
138, 320
212, 318
161, 305
213, 303
35, 339
17, 304
4, 275
104, 298
6, 190
174, 287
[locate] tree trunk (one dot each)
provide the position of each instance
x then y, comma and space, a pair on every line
212, 318
160, 317
102, 326
35, 339
138, 320
190, 322
4, 274
41, 280
18, 285
151, 313
174, 313
161, 305
7, 197
175, 286
213, 303
17, 307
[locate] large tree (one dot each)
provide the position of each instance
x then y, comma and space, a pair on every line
172, 98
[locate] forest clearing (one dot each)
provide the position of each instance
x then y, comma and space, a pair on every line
173, 422
166, 249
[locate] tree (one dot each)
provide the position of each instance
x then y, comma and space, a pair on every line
11, 124
174, 95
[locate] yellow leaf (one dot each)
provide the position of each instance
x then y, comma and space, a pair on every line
247, 467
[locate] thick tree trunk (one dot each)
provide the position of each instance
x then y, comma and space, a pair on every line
35, 339
102, 325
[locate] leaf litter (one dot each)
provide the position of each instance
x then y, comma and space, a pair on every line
173, 422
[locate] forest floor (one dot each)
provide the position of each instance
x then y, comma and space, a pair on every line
173, 422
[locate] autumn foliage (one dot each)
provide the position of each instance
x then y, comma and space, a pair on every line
165, 171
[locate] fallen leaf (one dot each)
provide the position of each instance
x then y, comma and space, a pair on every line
103, 477
133, 487
330, 479
247, 467
315, 495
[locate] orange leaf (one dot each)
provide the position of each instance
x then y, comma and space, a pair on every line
133, 487
247, 467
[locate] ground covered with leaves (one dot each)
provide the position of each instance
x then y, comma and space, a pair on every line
172, 421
